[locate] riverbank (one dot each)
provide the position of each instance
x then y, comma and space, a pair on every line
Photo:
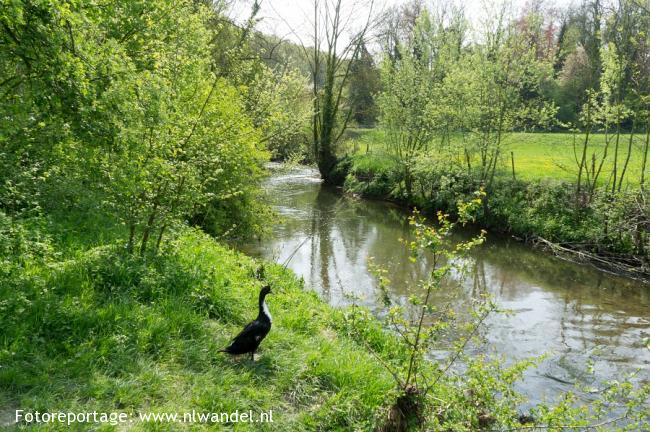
87, 327
608, 230
573, 315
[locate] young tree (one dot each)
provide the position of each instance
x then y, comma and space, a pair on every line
330, 60
496, 89
412, 104
419, 322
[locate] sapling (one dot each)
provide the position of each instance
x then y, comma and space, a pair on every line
419, 324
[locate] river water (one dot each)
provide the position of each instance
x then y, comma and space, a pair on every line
574, 314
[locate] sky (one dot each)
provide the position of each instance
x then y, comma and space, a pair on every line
291, 19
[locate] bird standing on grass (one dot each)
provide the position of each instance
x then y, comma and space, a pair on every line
250, 338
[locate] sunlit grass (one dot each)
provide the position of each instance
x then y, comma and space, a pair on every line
106, 332
536, 155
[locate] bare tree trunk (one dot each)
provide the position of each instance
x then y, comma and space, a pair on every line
645, 154
615, 167
583, 159
627, 158
148, 228
129, 246
179, 192
160, 192
596, 173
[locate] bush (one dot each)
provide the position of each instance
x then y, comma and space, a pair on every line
373, 177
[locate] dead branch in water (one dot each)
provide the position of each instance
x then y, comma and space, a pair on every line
633, 267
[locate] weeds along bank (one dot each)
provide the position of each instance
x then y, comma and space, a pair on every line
613, 226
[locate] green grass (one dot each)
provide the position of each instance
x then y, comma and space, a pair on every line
87, 327
536, 155
102, 331
551, 155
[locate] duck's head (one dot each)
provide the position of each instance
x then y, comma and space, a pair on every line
266, 289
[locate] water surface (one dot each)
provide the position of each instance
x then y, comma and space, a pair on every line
573, 313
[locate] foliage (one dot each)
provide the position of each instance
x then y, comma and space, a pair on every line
279, 105
372, 177
494, 93
428, 393
414, 378
453, 110
91, 327
330, 63
123, 122
542, 207
410, 104
124, 112
435, 90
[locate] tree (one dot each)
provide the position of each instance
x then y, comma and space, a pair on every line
396, 27
278, 103
577, 62
418, 322
363, 87
330, 61
122, 109
411, 105
496, 89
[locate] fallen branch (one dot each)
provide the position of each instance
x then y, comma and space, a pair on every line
608, 263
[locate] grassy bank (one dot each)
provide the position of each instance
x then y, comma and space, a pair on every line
96, 330
87, 327
540, 201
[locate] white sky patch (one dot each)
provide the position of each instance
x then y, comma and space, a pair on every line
293, 19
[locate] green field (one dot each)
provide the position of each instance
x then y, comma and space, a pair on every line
536, 155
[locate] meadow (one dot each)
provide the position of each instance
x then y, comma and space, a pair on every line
539, 155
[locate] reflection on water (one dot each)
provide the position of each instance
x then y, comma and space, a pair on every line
573, 313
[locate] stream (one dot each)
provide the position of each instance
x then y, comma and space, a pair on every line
574, 314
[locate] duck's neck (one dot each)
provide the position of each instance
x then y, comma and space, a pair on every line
264, 313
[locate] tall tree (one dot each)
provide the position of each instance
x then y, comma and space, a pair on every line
412, 111
364, 85
330, 64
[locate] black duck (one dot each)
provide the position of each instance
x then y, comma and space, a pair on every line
252, 335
